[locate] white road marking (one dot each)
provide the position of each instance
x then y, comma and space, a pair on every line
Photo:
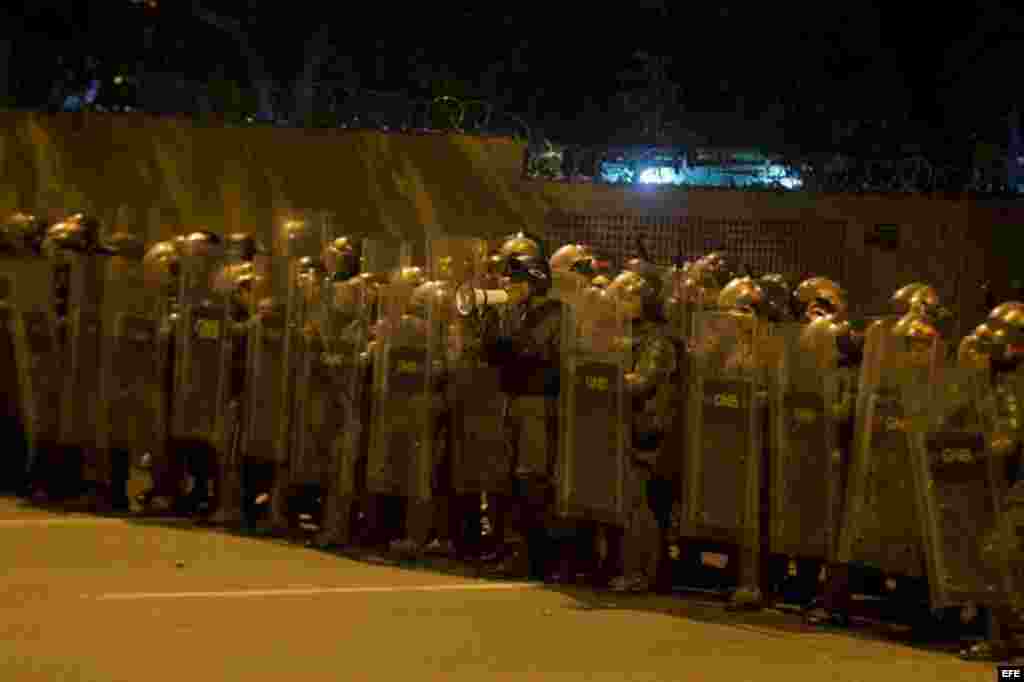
71, 521
301, 592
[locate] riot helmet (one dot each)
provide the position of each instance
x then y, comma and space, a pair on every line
244, 246
341, 258
1003, 331
200, 243
914, 297
523, 244
742, 296
1011, 313
638, 294
412, 276
918, 335
573, 258
707, 277
77, 232
817, 297
973, 352
776, 297
572, 269
23, 232
528, 274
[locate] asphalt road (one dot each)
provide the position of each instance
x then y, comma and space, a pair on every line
104, 600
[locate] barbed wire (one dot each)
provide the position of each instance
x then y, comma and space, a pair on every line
841, 174
340, 106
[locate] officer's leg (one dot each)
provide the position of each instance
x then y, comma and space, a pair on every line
660, 496
120, 474
443, 506
642, 535
201, 459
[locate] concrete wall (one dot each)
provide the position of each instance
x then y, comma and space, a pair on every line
158, 175
164, 173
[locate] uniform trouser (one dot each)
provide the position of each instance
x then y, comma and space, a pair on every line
14, 460
198, 458
531, 431
643, 537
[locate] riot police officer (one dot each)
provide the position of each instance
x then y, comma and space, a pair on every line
74, 245
30, 363
806, 469
881, 550
527, 354
343, 341
203, 364
242, 280
162, 272
649, 401
402, 439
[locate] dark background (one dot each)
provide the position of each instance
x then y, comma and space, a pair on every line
877, 78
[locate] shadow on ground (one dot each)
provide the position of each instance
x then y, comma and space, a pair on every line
695, 607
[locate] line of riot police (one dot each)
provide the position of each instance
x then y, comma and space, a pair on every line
660, 427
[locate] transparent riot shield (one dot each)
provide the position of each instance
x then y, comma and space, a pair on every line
957, 481
302, 252
806, 480
264, 438
348, 336
318, 413
671, 462
340, 378
130, 394
204, 347
880, 526
162, 270
33, 367
480, 459
591, 480
727, 409
401, 448
1009, 488
83, 352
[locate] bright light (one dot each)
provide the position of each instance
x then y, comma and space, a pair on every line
792, 183
658, 176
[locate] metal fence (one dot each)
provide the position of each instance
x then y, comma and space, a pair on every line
795, 249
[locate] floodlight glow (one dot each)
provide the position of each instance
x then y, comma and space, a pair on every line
792, 183
657, 176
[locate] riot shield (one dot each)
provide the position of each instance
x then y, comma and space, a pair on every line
302, 255
880, 526
957, 483
203, 345
727, 409
339, 381
726, 417
401, 448
678, 311
318, 417
480, 459
805, 485
130, 394
32, 365
264, 439
591, 477
162, 268
82, 349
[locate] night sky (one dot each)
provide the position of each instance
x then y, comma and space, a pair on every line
803, 67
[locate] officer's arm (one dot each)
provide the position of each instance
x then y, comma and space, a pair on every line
655, 365
495, 348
